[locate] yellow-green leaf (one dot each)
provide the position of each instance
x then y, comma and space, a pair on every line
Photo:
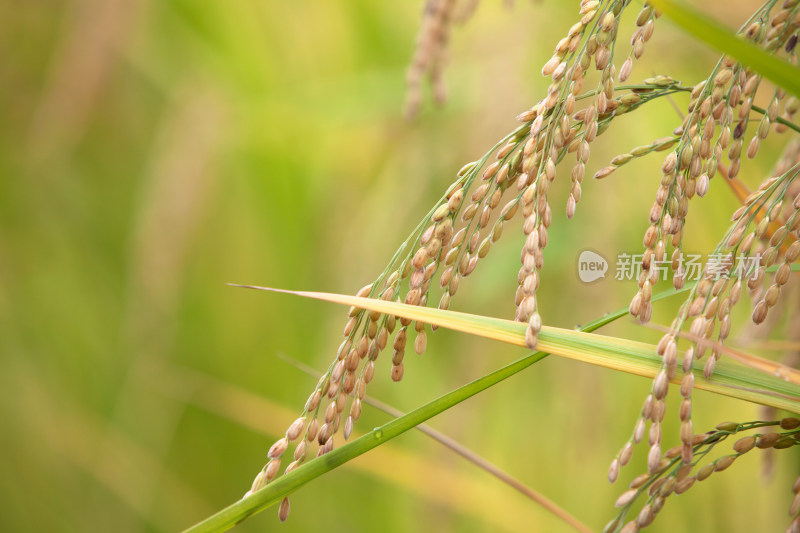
625, 355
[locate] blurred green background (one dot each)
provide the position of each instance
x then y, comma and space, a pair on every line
150, 152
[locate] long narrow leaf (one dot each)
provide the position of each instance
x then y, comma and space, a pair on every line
618, 354
708, 30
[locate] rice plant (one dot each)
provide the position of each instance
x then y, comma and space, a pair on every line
750, 96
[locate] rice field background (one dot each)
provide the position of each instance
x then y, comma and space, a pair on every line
151, 152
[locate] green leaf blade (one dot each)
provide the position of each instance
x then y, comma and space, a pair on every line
716, 35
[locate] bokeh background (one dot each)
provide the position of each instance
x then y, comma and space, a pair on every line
150, 152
